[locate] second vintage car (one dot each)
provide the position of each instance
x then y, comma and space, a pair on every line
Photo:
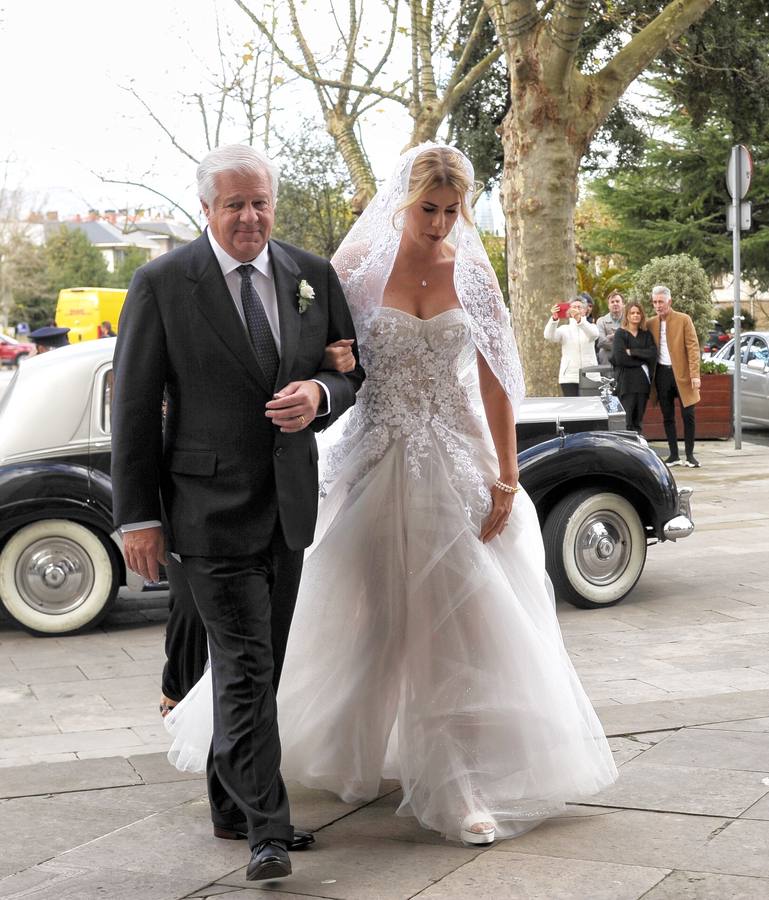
601, 493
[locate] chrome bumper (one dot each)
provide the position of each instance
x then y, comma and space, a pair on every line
681, 526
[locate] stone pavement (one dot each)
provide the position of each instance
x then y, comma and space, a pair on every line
679, 672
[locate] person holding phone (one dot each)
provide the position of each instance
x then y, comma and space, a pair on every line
577, 338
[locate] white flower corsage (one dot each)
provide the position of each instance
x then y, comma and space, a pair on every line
305, 295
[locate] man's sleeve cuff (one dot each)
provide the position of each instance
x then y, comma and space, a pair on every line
135, 526
321, 410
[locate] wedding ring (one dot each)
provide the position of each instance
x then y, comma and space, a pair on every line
301, 420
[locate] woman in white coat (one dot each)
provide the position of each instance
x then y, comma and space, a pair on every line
577, 339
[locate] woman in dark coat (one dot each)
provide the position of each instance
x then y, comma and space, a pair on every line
634, 355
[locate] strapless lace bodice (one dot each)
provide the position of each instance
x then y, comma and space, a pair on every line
413, 394
412, 370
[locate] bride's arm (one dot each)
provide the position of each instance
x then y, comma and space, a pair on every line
499, 415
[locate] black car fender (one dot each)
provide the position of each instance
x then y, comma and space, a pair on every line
51, 490
607, 461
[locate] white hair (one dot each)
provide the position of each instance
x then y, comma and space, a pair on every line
661, 289
234, 158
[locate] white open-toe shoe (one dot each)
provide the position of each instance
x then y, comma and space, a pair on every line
478, 828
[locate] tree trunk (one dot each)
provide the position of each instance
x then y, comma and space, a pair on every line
342, 130
539, 194
426, 120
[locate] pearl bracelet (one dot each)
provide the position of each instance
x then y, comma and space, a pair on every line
507, 488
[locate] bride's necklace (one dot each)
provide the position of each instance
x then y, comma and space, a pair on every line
424, 282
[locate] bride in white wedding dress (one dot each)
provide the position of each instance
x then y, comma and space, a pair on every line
425, 645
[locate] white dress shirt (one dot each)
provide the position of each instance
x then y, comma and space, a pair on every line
264, 284
663, 353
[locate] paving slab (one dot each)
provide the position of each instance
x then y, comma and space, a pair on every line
760, 724
666, 714
154, 768
53, 881
45, 778
35, 829
684, 789
704, 886
759, 810
712, 748
515, 876
628, 836
364, 869
742, 848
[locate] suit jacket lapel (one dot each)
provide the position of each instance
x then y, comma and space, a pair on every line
286, 274
214, 301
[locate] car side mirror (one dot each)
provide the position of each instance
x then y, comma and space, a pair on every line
757, 364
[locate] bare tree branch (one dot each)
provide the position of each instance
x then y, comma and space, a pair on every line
314, 76
161, 125
474, 75
615, 77
565, 28
469, 48
146, 187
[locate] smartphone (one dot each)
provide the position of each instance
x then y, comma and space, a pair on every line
563, 310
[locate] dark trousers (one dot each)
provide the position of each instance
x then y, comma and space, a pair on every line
635, 407
246, 604
667, 393
186, 643
569, 390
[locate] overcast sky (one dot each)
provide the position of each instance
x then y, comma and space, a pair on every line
66, 115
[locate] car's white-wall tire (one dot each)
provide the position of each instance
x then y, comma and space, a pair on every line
57, 576
595, 547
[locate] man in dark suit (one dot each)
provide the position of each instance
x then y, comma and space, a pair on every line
231, 329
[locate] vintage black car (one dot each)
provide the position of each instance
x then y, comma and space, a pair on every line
601, 493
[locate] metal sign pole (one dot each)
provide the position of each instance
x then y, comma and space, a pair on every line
736, 203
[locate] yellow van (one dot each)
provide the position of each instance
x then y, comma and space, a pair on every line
83, 309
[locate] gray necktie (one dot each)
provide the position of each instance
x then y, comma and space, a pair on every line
258, 326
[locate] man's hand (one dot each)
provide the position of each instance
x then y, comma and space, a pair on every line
295, 406
696, 383
339, 356
144, 548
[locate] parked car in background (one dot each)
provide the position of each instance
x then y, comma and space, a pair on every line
717, 337
12, 351
754, 375
601, 493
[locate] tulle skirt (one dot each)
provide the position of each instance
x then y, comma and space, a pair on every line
421, 654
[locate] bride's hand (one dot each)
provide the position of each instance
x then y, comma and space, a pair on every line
339, 356
496, 521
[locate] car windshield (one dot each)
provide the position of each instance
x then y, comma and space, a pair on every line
6, 339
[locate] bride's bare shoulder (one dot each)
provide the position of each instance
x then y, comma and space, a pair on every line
350, 255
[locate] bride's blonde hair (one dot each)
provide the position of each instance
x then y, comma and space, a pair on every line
436, 168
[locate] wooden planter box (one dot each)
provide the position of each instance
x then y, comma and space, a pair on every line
713, 414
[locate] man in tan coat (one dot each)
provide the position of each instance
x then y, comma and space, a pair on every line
678, 371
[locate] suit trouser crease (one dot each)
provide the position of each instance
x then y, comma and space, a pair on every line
667, 393
244, 607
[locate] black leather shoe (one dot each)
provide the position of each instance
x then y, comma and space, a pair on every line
269, 860
238, 832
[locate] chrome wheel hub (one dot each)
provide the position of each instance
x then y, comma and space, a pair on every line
603, 547
54, 575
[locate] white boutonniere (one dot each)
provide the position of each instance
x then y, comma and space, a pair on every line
305, 295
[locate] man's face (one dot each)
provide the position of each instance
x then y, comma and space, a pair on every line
242, 214
616, 306
661, 305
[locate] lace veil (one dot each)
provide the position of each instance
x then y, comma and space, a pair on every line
365, 259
